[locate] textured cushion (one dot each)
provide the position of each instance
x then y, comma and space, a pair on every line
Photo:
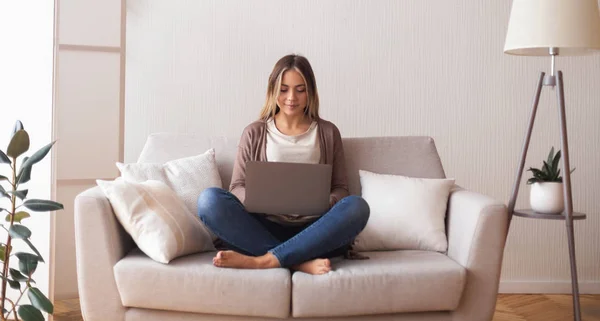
164, 147
193, 284
156, 219
406, 213
414, 156
188, 176
389, 282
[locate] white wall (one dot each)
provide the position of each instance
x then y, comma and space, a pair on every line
383, 68
26, 95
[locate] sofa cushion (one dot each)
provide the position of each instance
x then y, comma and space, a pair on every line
407, 213
414, 156
187, 176
389, 282
193, 284
157, 220
164, 147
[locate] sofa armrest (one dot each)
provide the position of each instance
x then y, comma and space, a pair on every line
100, 242
477, 230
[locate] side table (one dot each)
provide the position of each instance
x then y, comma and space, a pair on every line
527, 213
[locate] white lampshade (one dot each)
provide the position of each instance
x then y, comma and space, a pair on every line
572, 26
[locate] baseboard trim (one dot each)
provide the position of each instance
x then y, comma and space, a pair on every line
546, 287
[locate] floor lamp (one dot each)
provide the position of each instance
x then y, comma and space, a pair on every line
553, 28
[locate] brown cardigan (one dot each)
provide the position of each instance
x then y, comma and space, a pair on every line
252, 147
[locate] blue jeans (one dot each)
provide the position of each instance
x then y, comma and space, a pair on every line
252, 234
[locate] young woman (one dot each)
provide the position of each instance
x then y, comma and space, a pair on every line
289, 130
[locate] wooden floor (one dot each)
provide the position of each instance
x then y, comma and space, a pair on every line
545, 307
511, 307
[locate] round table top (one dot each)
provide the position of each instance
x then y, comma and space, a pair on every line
531, 214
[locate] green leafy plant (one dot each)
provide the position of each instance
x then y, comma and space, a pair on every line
550, 171
21, 279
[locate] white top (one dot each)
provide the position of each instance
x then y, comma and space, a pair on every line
303, 148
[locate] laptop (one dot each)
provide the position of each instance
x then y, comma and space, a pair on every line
287, 188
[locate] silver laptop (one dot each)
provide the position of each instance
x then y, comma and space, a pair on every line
287, 188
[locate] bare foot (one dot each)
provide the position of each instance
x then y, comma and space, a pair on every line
232, 259
315, 267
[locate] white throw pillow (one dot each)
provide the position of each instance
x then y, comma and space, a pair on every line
188, 177
406, 213
157, 220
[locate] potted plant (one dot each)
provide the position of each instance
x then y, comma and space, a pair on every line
20, 276
546, 195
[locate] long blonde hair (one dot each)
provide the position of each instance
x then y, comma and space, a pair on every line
302, 66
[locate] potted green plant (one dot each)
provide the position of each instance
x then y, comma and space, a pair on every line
546, 195
20, 276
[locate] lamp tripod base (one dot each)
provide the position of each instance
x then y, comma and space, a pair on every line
551, 81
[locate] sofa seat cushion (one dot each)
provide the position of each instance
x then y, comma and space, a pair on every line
389, 282
192, 284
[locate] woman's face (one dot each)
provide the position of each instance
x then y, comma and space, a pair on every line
292, 96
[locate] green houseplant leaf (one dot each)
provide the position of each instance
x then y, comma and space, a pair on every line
30, 313
18, 126
557, 177
19, 144
27, 263
555, 162
27, 256
3, 192
536, 172
547, 170
24, 174
3, 158
37, 156
39, 300
17, 276
3, 178
2, 252
40, 258
19, 232
28, 267
14, 284
19, 216
20, 194
550, 156
42, 205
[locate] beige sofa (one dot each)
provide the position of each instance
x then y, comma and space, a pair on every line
118, 282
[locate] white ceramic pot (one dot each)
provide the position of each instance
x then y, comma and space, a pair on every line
547, 197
